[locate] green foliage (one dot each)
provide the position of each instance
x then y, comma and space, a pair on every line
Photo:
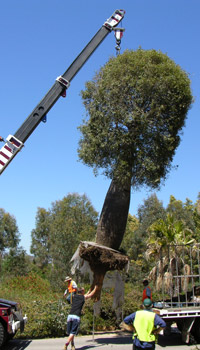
148, 212
137, 105
169, 231
9, 234
182, 211
58, 233
73, 219
177, 227
196, 218
15, 262
127, 243
31, 285
47, 312
9, 240
157, 228
40, 244
46, 318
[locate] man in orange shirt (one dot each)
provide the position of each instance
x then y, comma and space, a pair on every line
71, 289
146, 291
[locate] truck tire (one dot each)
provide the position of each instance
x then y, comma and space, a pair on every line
3, 334
195, 331
179, 324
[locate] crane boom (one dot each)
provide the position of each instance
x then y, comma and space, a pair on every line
15, 142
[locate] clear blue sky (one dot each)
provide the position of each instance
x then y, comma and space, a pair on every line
39, 40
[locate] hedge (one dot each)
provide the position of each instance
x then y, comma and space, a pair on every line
47, 311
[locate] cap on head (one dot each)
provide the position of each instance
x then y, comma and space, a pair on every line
68, 279
147, 302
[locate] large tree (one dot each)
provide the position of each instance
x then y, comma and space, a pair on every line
137, 106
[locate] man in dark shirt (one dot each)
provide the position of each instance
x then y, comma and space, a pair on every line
74, 317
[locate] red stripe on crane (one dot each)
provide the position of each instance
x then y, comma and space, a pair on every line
2, 163
4, 155
7, 148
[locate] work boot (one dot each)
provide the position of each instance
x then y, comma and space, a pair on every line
73, 347
65, 347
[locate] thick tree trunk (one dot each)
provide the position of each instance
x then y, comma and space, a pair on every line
113, 219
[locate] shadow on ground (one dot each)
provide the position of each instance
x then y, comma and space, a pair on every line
99, 341
174, 339
118, 339
170, 340
16, 344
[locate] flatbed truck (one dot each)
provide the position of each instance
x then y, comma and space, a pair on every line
181, 281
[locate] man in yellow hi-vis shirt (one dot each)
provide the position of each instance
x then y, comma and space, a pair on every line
146, 324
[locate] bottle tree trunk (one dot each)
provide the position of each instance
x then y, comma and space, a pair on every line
103, 255
114, 215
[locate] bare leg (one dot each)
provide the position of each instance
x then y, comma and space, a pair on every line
72, 344
69, 340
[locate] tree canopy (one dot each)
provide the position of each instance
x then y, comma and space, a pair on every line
9, 233
137, 105
59, 231
40, 244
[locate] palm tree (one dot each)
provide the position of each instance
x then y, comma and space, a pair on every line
165, 244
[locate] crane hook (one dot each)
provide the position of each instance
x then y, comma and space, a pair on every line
118, 36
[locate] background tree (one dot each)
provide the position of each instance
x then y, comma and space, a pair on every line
137, 105
150, 211
165, 246
169, 231
58, 232
183, 211
16, 263
196, 217
131, 227
40, 243
9, 233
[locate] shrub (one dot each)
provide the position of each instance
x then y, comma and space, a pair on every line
47, 312
45, 319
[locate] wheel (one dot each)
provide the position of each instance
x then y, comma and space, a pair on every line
10, 337
3, 334
180, 324
196, 329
